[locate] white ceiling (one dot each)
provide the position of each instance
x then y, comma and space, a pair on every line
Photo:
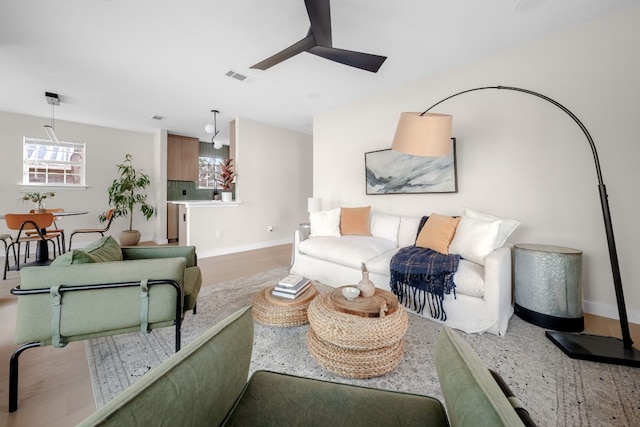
117, 63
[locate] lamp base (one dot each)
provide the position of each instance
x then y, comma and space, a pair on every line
595, 348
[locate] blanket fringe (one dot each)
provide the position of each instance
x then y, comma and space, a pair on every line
416, 291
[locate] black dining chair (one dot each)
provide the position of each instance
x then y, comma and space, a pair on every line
108, 215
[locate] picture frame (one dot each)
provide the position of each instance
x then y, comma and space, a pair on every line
392, 172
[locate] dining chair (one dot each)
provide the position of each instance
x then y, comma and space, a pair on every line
61, 241
7, 238
108, 215
23, 223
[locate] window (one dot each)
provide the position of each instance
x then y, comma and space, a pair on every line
47, 163
208, 168
209, 164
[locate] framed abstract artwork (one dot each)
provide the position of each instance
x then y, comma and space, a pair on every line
391, 172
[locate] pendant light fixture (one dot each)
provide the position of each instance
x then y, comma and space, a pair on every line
53, 100
213, 129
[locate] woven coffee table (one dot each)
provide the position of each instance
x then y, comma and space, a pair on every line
353, 343
275, 311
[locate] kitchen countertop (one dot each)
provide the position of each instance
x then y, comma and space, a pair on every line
203, 203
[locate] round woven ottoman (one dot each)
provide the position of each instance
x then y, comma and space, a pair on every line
274, 311
355, 346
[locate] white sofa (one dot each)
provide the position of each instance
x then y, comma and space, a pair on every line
482, 303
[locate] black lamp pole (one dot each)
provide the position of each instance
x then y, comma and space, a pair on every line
584, 346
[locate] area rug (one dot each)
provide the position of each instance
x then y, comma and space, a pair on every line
557, 390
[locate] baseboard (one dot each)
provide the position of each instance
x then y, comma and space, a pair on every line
610, 311
244, 248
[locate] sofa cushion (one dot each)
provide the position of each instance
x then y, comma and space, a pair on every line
507, 226
469, 279
474, 239
325, 223
355, 221
408, 230
437, 233
381, 263
351, 251
73, 257
105, 249
275, 399
385, 226
472, 396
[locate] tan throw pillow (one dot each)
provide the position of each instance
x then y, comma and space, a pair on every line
437, 233
355, 221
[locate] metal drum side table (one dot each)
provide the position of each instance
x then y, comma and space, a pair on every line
548, 286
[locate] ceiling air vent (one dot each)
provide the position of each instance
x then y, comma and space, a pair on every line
238, 76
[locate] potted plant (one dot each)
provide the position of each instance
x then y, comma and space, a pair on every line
124, 195
38, 199
225, 178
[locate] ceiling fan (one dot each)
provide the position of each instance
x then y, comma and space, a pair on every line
318, 42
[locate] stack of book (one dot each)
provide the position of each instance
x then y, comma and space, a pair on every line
291, 287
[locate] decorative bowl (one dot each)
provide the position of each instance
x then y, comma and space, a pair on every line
350, 293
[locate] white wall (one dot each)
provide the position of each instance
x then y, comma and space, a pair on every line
274, 168
105, 148
518, 156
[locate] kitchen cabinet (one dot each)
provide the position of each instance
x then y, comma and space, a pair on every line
172, 222
182, 158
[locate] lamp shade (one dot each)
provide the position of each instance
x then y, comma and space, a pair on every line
314, 204
423, 134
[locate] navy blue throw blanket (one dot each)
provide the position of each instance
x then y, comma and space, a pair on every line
416, 272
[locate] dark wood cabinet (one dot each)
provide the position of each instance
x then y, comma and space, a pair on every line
182, 158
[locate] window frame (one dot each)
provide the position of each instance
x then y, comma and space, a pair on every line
28, 164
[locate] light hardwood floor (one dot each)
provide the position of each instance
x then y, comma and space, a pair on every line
55, 389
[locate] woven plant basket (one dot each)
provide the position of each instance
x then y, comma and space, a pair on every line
355, 332
271, 314
354, 363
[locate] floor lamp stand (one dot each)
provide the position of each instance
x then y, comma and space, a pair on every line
583, 346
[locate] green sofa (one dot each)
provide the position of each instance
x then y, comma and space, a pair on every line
205, 384
103, 290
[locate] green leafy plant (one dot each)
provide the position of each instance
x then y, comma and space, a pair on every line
36, 198
124, 192
226, 175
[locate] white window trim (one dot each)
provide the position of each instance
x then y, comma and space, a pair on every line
53, 186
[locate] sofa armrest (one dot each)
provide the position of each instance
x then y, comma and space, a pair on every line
472, 396
148, 252
498, 280
196, 386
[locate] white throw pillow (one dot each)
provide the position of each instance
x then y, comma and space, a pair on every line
474, 239
385, 226
507, 226
325, 223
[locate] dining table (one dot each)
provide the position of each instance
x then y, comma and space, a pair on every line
42, 250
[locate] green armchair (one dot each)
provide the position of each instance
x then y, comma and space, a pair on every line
103, 290
205, 384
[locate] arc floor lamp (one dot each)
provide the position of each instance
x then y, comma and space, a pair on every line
429, 134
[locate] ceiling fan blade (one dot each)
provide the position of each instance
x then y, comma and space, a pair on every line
319, 12
364, 61
296, 48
